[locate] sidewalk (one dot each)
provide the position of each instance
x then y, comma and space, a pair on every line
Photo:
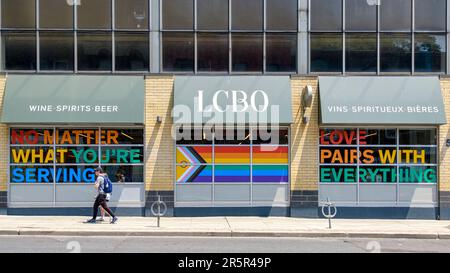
226, 227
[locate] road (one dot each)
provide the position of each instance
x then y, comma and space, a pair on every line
62, 244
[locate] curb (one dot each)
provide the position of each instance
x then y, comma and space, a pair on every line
236, 234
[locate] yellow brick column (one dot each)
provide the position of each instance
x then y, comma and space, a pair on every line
159, 144
304, 150
444, 155
4, 153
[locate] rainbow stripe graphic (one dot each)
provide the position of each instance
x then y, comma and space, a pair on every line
232, 164
232, 173
194, 155
192, 174
270, 154
232, 154
271, 173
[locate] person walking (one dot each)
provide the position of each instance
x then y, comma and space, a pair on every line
101, 199
102, 210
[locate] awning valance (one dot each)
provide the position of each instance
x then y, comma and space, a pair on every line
74, 99
232, 100
381, 100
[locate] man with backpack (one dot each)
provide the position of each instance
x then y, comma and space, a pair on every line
102, 210
104, 187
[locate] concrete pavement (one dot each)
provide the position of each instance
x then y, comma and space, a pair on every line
210, 245
225, 227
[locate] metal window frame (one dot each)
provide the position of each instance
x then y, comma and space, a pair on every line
55, 164
148, 25
249, 203
89, 33
76, 31
379, 32
115, 41
230, 32
30, 32
397, 165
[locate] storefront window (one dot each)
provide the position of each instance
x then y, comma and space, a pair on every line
70, 155
247, 15
212, 14
234, 156
281, 14
361, 52
360, 16
430, 15
370, 155
178, 51
395, 15
417, 137
247, 52
55, 14
326, 52
132, 51
56, 51
94, 51
395, 52
281, 52
430, 53
212, 52
94, 14
18, 13
19, 50
330, 9
379, 38
178, 14
131, 14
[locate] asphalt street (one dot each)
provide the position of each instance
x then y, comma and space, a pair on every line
126, 244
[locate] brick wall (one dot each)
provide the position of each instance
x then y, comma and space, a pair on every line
304, 137
3, 142
444, 134
444, 155
304, 150
159, 143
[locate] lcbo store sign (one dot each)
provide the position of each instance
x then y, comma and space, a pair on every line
232, 100
236, 101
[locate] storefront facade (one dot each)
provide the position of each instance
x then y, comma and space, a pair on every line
56, 141
232, 144
226, 107
389, 160
410, 186
206, 165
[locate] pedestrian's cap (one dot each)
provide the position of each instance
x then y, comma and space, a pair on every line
99, 169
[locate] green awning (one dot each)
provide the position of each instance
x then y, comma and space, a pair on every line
381, 100
74, 99
232, 100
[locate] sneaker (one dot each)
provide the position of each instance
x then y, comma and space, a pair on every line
91, 221
114, 220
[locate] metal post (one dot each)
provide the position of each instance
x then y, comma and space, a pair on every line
159, 209
158, 213
329, 215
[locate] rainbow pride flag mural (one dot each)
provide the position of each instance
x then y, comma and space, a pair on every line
232, 154
198, 173
270, 154
192, 155
232, 173
270, 173
232, 164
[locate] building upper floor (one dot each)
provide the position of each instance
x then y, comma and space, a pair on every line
306, 37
